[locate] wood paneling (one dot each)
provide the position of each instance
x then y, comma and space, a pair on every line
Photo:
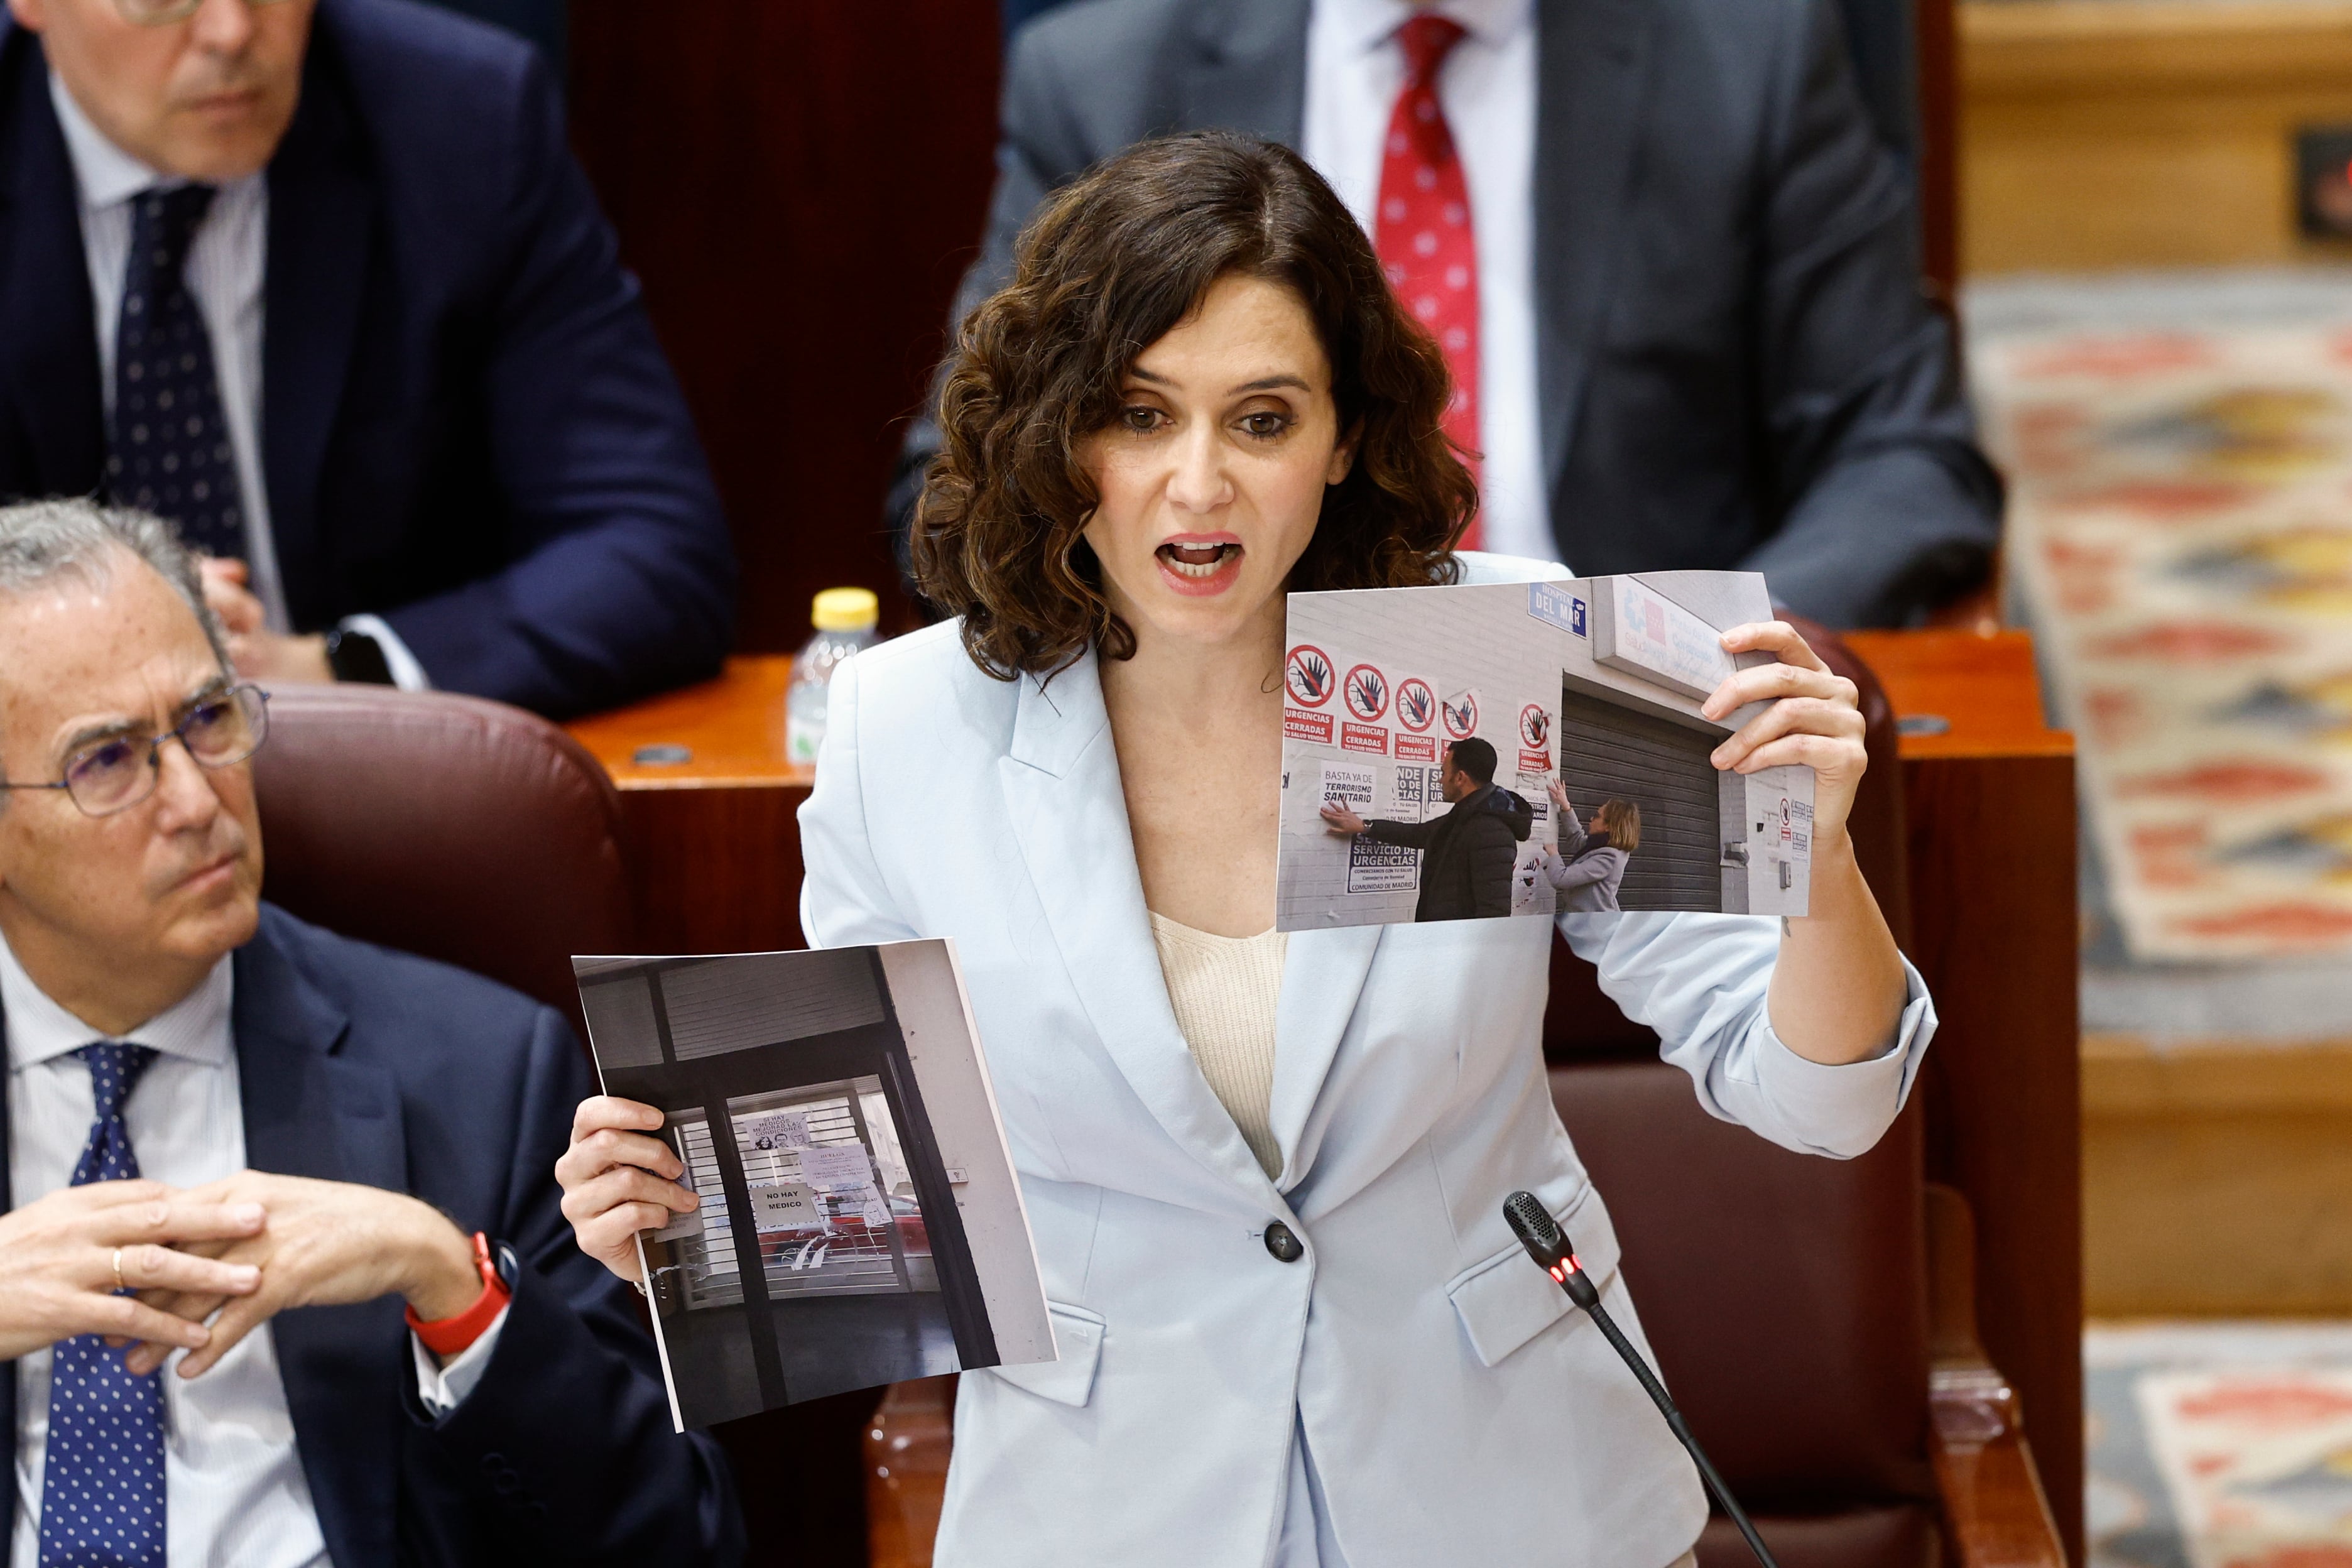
799, 186
2217, 1180
1991, 807
2122, 133
1992, 900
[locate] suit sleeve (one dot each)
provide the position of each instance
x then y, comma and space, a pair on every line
1572, 834
845, 899
1408, 834
1579, 872
1036, 149
1888, 506
1701, 981
567, 1438
621, 582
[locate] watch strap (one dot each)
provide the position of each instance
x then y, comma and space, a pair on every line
448, 1336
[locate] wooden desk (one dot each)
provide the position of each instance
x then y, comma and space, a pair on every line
714, 849
1991, 806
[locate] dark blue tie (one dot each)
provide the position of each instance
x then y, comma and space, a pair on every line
169, 452
103, 1487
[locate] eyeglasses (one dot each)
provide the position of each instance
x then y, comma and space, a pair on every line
163, 13
219, 731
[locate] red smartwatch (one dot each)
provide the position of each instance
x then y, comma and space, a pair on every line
448, 1336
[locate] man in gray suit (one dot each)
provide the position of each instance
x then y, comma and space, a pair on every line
1672, 261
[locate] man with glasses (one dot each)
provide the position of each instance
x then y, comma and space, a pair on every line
216, 1113
318, 282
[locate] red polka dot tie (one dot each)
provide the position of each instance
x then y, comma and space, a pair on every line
1423, 234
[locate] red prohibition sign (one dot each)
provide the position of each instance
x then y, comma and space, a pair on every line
1416, 704
1535, 727
1461, 715
1367, 692
1308, 675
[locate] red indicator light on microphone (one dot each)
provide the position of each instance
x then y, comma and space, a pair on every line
1575, 1264
1558, 1271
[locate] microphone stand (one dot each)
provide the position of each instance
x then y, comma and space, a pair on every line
1549, 1246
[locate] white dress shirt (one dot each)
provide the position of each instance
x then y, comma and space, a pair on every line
234, 1491
227, 264
1488, 87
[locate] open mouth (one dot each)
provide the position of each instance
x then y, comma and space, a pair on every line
1198, 566
1199, 561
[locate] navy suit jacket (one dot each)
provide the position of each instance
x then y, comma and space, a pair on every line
466, 425
358, 1064
1735, 367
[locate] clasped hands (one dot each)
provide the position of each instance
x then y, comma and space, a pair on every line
246, 1248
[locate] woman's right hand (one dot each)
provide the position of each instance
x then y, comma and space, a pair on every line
618, 1180
1560, 795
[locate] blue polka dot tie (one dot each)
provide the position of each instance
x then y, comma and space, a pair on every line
103, 1487
170, 451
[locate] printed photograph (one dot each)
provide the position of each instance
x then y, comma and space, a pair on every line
860, 1221
1527, 749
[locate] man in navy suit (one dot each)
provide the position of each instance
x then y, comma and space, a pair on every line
318, 282
217, 1106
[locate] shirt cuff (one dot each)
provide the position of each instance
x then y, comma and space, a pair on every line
1842, 1109
444, 1388
406, 673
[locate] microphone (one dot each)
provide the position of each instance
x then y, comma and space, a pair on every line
1549, 1246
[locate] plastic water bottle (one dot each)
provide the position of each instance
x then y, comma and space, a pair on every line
846, 619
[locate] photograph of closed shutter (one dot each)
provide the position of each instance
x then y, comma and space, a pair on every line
1611, 750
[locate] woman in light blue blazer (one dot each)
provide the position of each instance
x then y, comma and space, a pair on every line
1293, 1326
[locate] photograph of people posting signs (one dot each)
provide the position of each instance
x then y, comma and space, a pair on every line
1527, 749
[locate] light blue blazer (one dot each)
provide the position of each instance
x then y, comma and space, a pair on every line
1455, 1409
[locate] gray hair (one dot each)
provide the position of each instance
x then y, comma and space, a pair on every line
42, 542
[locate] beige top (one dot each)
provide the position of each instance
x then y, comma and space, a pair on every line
1223, 989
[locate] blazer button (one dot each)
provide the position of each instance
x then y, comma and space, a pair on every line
1286, 1248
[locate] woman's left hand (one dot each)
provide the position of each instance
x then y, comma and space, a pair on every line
1815, 719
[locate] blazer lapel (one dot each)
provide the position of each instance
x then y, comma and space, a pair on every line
1248, 69
309, 1112
321, 227
1062, 790
1592, 60
1323, 973
48, 341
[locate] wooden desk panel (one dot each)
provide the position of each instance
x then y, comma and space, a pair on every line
715, 851
1991, 806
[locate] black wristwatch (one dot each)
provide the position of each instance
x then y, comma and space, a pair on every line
355, 656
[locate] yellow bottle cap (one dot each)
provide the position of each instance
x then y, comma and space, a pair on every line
847, 610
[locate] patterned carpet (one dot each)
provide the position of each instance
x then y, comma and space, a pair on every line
2219, 1444
2180, 450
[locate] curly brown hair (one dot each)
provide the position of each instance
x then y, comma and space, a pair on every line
1108, 266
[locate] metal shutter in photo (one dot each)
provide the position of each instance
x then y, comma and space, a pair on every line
1606, 750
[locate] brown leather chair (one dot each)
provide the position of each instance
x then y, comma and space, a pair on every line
461, 829
1814, 1316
